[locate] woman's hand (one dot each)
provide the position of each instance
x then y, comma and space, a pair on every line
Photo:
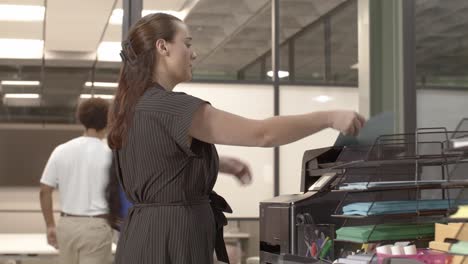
237, 168
347, 122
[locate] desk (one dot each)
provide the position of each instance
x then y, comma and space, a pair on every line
228, 236
234, 243
19, 247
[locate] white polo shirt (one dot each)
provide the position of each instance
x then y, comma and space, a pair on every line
80, 170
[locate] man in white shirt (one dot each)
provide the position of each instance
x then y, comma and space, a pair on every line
79, 169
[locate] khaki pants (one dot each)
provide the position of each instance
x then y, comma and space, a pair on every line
83, 240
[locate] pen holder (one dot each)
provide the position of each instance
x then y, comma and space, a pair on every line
316, 241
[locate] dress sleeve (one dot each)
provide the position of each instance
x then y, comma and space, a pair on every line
182, 108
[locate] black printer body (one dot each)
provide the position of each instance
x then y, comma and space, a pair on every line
283, 219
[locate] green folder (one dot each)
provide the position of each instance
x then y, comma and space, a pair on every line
367, 233
460, 248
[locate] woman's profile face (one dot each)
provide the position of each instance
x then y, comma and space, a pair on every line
181, 55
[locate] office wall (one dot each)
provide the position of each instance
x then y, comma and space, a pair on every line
303, 99
441, 107
20, 210
25, 149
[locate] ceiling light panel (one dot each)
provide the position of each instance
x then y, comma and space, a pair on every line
21, 13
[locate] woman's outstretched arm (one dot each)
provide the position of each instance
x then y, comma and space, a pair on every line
219, 127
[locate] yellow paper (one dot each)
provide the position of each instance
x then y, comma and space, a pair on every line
459, 260
443, 231
441, 246
461, 213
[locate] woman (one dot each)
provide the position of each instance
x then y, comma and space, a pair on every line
163, 145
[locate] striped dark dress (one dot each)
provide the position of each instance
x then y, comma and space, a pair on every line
176, 217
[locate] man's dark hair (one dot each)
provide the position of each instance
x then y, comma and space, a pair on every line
92, 113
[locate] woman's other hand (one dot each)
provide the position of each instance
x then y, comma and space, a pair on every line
236, 168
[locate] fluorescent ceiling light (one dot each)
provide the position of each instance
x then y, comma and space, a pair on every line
22, 95
109, 51
117, 15
102, 96
101, 84
179, 15
21, 48
281, 74
323, 98
458, 143
21, 13
21, 83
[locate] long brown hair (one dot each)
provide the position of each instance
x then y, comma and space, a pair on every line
138, 55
